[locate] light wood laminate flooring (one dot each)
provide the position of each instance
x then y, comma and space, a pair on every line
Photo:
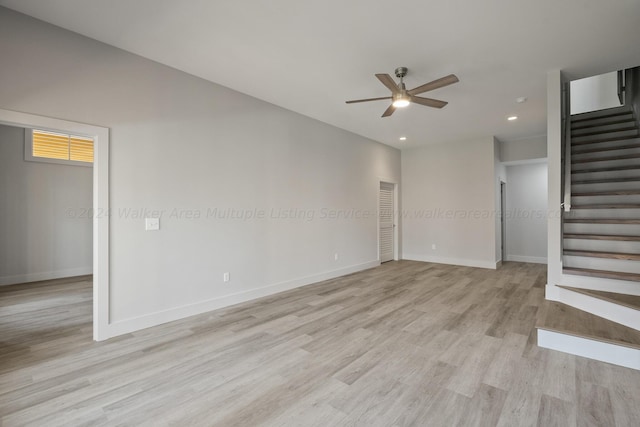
404, 344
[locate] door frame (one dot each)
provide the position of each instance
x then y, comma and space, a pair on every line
396, 217
100, 136
503, 220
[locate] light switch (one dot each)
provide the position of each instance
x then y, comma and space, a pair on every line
152, 224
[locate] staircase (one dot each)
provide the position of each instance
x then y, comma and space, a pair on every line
597, 308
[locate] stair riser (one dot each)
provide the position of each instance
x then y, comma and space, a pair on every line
608, 112
588, 166
592, 200
604, 213
622, 229
600, 283
627, 134
605, 145
577, 126
600, 154
576, 188
602, 245
625, 266
623, 175
609, 353
604, 128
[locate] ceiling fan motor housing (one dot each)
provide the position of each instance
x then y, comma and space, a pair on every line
401, 72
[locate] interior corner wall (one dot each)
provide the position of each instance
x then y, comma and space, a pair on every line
526, 213
44, 215
448, 200
240, 185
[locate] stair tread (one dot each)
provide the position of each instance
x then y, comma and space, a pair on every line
603, 254
631, 301
632, 277
608, 159
604, 220
617, 237
607, 206
616, 122
558, 317
603, 132
599, 150
611, 169
598, 141
605, 180
607, 193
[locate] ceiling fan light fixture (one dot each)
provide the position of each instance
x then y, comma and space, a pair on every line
401, 101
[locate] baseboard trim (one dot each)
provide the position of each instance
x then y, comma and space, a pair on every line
597, 350
524, 258
452, 261
157, 318
47, 275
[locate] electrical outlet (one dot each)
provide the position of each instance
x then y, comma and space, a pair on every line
433, 246
335, 256
225, 277
152, 224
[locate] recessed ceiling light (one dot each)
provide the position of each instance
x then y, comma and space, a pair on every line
521, 99
512, 118
403, 138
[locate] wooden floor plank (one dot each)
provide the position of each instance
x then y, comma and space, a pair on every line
404, 344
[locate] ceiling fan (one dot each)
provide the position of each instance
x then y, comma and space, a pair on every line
401, 97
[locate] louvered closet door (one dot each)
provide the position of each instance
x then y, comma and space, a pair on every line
386, 222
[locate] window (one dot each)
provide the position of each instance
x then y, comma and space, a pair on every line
54, 147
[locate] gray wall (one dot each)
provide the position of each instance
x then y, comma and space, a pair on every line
44, 215
185, 147
527, 213
449, 199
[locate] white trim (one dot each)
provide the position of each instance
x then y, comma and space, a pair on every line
453, 261
592, 349
602, 308
169, 315
524, 258
44, 275
525, 162
100, 137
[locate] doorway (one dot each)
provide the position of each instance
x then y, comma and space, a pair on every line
100, 204
386, 233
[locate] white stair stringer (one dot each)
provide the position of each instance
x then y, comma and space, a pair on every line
609, 352
599, 284
618, 313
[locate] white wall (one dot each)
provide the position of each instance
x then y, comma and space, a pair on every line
44, 215
594, 93
524, 149
184, 147
526, 215
448, 199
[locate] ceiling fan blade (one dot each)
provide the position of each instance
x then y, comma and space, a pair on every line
435, 103
441, 82
367, 100
386, 80
389, 111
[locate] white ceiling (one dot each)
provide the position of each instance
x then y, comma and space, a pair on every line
311, 56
